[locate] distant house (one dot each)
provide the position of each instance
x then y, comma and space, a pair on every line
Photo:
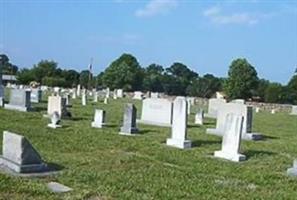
8, 79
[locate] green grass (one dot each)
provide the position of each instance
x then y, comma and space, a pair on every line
101, 164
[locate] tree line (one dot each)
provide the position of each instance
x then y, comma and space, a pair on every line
178, 79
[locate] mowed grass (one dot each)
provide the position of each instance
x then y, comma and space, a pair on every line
101, 164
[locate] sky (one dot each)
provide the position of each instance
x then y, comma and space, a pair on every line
205, 35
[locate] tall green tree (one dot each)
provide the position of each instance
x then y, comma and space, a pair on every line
125, 72
7, 67
153, 76
205, 86
242, 80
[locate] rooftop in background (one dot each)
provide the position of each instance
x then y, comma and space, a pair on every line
9, 78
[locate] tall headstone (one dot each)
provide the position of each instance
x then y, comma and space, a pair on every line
19, 100
95, 99
273, 111
231, 139
74, 93
129, 121
179, 125
115, 94
84, 99
107, 94
99, 119
257, 109
105, 100
199, 117
19, 155
237, 109
294, 110
78, 90
156, 112
213, 107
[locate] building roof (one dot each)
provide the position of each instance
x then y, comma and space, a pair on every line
8, 77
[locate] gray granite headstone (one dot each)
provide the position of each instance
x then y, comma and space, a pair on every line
19, 100
36, 95
129, 121
19, 155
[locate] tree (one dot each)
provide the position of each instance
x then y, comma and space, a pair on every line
177, 78
71, 77
242, 79
84, 77
153, 75
25, 76
43, 69
261, 88
7, 67
273, 93
292, 89
125, 72
205, 86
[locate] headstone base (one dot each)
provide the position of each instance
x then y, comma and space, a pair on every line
15, 107
236, 157
128, 131
94, 125
54, 126
182, 144
152, 123
252, 136
23, 168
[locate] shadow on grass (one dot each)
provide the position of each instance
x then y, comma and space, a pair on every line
194, 126
144, 131
76, 118
54, 167
254, 153
267, 137
197, 143
38, 109
111, 125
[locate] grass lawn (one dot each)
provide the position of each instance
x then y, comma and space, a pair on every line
101, 164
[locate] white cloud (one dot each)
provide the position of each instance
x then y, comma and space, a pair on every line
216, 16
155, 7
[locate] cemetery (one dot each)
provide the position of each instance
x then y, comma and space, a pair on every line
93, 150
152, 99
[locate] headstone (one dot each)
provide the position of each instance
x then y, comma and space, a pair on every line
237, 109
138, 95
67, 100
78, 90
231, 139
199, 117
57, 90
293, 171
155, 95
191, 100
179, 125
105, 100
36, 95
272, 111
1, 101
19, 155
257, 109
240, 101
156, 112
107, 94
55, 120
99, 119
58, 188
213, 107
294, 110
74, 93
57, 104
129, 121
120, 93
115, 94
84, 99
95, 97
19, 100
